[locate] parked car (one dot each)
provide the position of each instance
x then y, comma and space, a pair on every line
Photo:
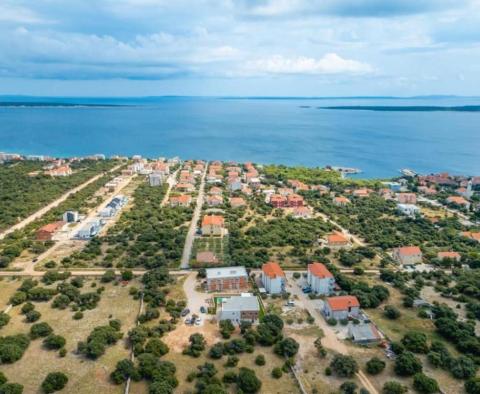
290, 303
307, 290
188, 321
185, 312
203, 309
198, 321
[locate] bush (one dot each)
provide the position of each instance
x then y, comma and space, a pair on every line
296, 275
27, 307
277, 373
54, 342
4, 319
32, 316
348, 388
287, 347
157, 347
55, 381
247, 381
78, 315
232, 361
62, 352
127, 275
463, 368
415, 342
11, 388
125, 369
424, 384
18, 298
38, 330
197, 345
375, 366
332, 321
216, 351
12, 348
229, 377
472, 386
393, 387
344, 366
390, 312
226, 328
260, 360
108, 276
406, 364
328, 371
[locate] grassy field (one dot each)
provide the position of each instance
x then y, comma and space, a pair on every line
85, 376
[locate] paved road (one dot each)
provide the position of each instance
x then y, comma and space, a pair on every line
44, 210
330, 339
187, 249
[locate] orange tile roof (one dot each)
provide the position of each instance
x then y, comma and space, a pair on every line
319, 270
51, 227
457, 200
342, 199
448, 255
213, 220
341, 303
237, 201
272, 270
294, 197
337, 238
472, 235
409, 250
277, 197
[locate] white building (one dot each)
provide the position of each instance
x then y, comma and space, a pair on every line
155, 179
341, 307
320, 279
240, 308
407, 255
408, 210
227, 278
273, 278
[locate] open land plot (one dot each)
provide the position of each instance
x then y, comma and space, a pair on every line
85, 376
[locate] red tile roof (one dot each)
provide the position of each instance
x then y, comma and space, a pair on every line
337, 238
448, 255
212, 220
409, 250
272, 270
52, 227
341, 303
319, 270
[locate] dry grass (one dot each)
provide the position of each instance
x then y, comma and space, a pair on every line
85, 376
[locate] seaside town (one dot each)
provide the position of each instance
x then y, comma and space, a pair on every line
168, 275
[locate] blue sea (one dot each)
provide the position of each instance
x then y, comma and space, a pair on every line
262, 130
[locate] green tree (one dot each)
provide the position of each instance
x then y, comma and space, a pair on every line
393, 387
287, 347
406, 364
344, 366
416, 342
375, 366
247, 381
424, 384
55, 381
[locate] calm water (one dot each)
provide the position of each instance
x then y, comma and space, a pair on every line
263, 131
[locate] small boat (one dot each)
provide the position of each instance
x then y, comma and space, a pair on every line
408, 172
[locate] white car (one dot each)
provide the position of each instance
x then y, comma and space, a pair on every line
198, 322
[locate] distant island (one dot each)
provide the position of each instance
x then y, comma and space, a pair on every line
53, 104
406, 108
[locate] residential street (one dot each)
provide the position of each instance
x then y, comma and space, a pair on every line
187, 249
53, 204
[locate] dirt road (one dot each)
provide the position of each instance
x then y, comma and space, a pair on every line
187, 249
354, 238
330, 339
58, 201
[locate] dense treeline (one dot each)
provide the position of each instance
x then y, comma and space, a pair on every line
14, 244
22, 194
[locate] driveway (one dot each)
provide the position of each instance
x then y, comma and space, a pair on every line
195, 298
187, 249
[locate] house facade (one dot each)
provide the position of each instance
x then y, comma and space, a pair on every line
213, 225
407, 255
273, 278
341, 307
227, 278
320, 279
240, 308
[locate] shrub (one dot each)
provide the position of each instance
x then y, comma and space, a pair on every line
18, 298
216, 351
247, 381
296, 275
157, 347
226, 328
260, 360
328, 371
125, 369
332, 321
27, 307
55, 381
390, 312
11, 388
62, 352
32, 316
197, 345
375, 366
393, 387
38, 330
54, 342
12, 348
344, 366
415, 342
406, 364
4, 319
78, 315
463, 368
287, 347
229, 377
277, 373
232, 361
127, 275
348, 388
108, 276
424, 384
472, 386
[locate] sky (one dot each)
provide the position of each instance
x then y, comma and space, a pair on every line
239, 48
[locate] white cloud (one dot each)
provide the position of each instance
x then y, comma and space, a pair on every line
331, 63
11, 13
